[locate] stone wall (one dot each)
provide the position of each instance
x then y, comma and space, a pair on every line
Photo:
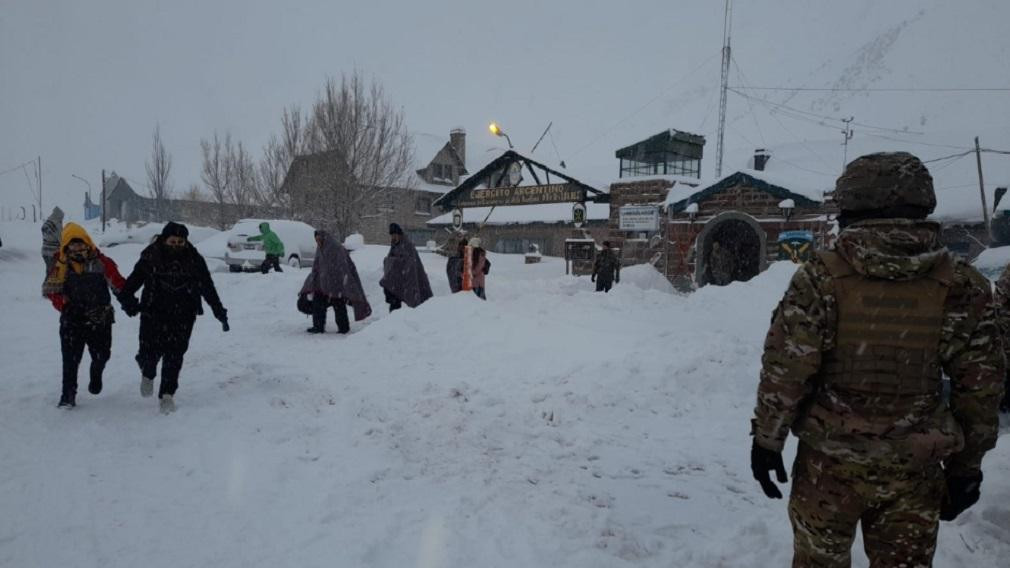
409, 208
635, 250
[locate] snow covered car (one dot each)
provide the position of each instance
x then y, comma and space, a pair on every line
233, 247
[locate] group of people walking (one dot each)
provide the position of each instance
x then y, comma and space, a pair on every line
81, 284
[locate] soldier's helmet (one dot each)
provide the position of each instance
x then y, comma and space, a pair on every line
885, 181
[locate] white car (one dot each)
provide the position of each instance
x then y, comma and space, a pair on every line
233, 247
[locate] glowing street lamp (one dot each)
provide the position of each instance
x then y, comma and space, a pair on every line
497, 131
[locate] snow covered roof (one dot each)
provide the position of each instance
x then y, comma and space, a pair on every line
792, 188
507, 159
519, 214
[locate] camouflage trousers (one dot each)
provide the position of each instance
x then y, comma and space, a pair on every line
899, 512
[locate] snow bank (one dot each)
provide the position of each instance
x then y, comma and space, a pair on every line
992, 261
354, 241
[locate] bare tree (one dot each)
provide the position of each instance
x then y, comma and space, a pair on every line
216, 173
359, 125
158, 170
242, 190
278, 155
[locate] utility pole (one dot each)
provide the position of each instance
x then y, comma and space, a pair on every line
726, 58
40, 186
103, 202
981, 190
847, 134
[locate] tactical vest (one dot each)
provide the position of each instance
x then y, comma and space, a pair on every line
879, 390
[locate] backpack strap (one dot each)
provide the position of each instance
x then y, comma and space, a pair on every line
837, 266
943, 271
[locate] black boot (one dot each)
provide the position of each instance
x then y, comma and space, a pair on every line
315, 330
67, 401
95, 385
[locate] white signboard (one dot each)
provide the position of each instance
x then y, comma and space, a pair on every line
639, 218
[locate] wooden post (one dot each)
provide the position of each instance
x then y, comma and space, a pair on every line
103, 202
981, 190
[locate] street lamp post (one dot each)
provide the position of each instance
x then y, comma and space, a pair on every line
84, 180
497, 131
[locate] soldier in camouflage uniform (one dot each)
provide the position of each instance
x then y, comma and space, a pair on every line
853, 365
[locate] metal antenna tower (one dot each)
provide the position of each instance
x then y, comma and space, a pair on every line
727, 24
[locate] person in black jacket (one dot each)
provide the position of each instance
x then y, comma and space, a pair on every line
175, 279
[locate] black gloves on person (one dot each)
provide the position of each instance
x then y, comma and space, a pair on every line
962, 493
130, 305
762, 462
221, 315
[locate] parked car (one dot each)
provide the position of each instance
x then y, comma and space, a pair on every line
233, 247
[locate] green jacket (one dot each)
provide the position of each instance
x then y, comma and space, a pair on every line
271, 242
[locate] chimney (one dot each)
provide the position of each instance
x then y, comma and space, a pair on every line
761, 157
457, 137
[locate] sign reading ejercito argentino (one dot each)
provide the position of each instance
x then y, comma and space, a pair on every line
522, 195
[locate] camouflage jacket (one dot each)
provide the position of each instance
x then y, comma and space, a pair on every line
1002, 296
804, 327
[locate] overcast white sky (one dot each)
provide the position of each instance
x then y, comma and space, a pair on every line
83, 83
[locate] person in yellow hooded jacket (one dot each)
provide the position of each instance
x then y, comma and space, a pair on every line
78, 286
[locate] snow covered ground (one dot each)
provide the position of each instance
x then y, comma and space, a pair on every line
549, 426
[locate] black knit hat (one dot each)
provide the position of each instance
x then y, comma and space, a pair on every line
173, 229
395, 229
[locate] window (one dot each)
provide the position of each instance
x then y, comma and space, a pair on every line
420, 237
519, 246
422, 205
386, 202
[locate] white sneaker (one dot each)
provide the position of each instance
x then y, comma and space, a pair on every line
146, 387
166, 404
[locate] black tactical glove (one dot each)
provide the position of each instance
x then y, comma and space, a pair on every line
592, 278
221, 315
962, 493
763, 461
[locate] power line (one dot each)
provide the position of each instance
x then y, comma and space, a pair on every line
885, 90
920, 143
786, 110
750, 105
680, 82
15, 168
961, 155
